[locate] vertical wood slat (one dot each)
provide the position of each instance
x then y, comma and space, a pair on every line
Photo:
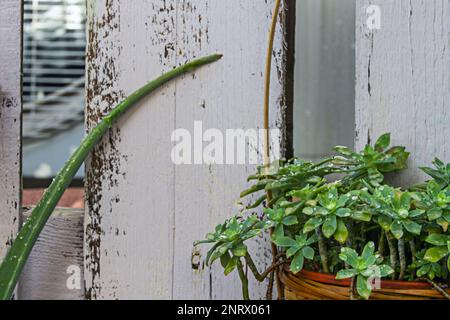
403, 79
143, 212
10, 120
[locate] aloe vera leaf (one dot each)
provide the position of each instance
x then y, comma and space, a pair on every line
15, 259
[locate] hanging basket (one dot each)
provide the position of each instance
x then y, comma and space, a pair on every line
309, 285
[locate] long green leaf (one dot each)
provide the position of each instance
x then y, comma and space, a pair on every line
18, 254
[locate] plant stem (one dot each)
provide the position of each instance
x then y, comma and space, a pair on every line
244, 281
352, 289
322, 251
393, 253
321, 163
412, 246
267, 81
269, 292
266, 122
381, 243
402, 258
349, 241
261, 276
18, 254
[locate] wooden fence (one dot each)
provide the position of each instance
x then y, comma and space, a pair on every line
143, 212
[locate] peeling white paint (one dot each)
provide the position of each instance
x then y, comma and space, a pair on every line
10, 120
143, 212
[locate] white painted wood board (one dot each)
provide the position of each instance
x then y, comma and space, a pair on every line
143, 212
403, 79
10, 120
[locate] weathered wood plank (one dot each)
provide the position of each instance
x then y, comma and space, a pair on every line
10, 120
145, 212
226, 96
55, 267
403, 78
129, 178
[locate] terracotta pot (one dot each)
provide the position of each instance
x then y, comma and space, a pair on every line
309, 285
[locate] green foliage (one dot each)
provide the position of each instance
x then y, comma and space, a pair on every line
329, 212
440, 173
228, 239
365, 267
395, 213
315, 209
425, 269
299, 249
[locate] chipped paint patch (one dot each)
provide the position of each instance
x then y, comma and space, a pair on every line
105, 161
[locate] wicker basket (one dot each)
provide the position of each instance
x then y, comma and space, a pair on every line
308, 285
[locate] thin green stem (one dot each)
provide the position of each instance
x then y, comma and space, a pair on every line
381, 243
321, 163
244, 280
261, 276
20, 250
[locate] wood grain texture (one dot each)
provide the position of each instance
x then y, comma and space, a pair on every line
403, 79
143, 212
10, 120
58, 253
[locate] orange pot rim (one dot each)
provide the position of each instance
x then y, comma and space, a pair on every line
385, 284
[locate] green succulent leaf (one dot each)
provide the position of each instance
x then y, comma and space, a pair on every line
434, 214
297, 263
362, 216
290, 220
383, 142
343, 150
225, 259
405, 201
308, 252
412, 227
346, 273
438, 239
211, 251
435, 254
285, 242
368, 250
362, 286
385, 222
292, 251
312, 224
278, 232
397, 229
240, 250
343, 212
422, 271
231, 265
341, 233
448, 263
329, 226
375, 176
385, 270
350, 256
